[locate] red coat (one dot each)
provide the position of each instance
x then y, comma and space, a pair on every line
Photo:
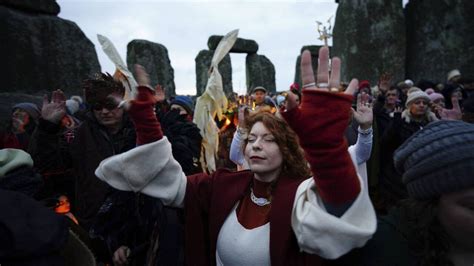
210, 199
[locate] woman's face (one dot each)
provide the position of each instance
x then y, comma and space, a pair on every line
418, 107
456, 214
262, 152
20, 118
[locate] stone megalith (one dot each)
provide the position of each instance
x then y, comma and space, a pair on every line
314, 49
42, 52
240, 45
439, 38
369, 37
203, 62
49, 7
154, 57
259, 72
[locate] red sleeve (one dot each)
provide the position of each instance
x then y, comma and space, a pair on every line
320, 123
144, 118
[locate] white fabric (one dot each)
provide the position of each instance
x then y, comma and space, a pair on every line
212, 103
238, 246
319, 232
149, 169
152, 170
127, 78
236, 154
11, 159
363, 147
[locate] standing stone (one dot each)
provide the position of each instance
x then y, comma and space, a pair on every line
314, 50
440, 37
240, 45
203, 62
154, 58
49, 7
369, 37
260, 72
41, 53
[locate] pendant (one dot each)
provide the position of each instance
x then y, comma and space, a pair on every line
259, 201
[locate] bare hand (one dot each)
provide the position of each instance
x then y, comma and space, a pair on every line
451, 114
55, 110
121, 255
331, 82
398, 109
159, 94
363, 115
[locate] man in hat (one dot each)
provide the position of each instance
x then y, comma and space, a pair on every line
258, 95
184, 105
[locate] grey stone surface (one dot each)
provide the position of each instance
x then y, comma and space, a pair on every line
154, 57
440, 37
49, 7
260, 72
41, 53
314, 50
369, 37
240, 46
203, 62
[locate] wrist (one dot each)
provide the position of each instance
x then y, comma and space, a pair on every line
366, 131
365, 126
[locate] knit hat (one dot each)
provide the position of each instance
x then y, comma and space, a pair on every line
438, 159
11, 159
259, 88
434, 96
453, 73
416, 93
409, 82
364, 84
31, 108
184, 101
72, 106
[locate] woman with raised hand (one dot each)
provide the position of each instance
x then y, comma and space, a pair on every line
274, 213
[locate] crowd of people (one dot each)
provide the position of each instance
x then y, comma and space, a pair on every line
324, 173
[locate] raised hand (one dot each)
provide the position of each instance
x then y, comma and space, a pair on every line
327, 80
159, 93
363, 115
451, 114
54, 110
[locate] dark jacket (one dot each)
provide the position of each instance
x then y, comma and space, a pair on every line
91, 145
398, 131
30, 233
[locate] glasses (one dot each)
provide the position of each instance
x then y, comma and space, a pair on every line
108, 105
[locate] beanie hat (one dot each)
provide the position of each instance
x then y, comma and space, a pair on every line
364, 84
72, 106
409, 82
11, 159
416, 93
31, 108
295, 86
184, 101
438, 159
453, 73
434, 96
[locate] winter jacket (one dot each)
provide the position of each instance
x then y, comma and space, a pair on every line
91, 145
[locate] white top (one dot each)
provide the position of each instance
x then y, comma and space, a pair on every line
237, 245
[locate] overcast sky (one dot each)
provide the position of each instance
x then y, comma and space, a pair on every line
280, 28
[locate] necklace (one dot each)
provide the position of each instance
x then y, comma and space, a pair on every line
259, 201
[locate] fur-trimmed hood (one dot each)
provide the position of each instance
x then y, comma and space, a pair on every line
406, 116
